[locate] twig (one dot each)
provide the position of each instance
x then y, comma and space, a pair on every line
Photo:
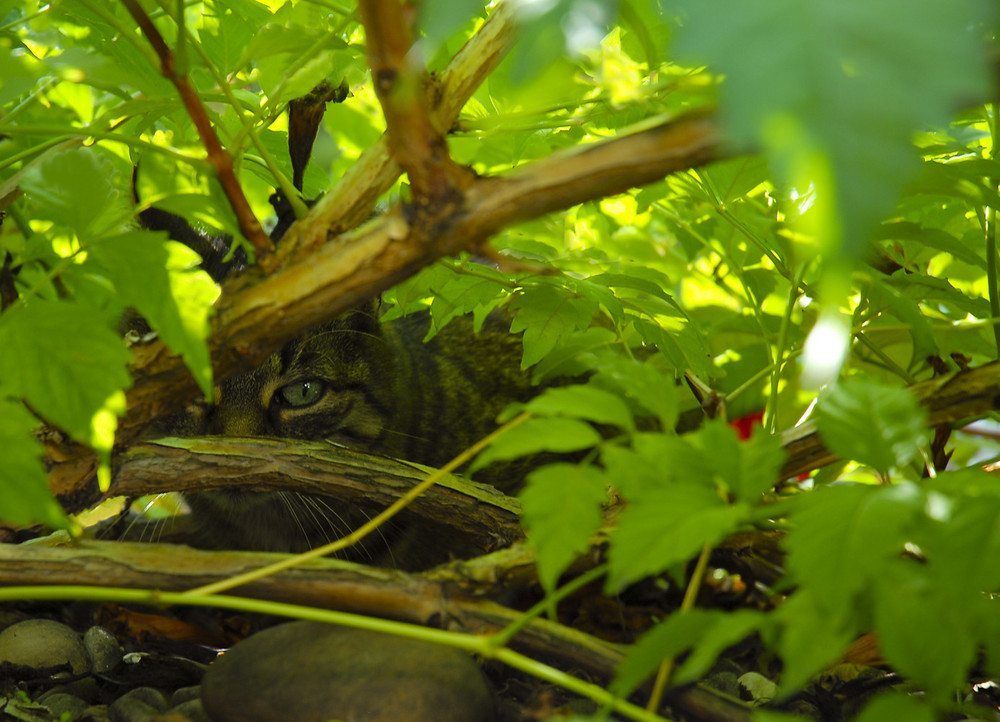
217, 156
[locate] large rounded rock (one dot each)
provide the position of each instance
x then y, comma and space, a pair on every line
307, 671
43, 643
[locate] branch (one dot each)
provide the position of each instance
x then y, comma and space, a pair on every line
353, 198
948, 399
487, 517
217, 156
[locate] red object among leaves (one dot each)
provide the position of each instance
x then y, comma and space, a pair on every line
745, 424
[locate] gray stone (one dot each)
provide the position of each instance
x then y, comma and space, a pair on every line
312, 672
185, 694
141, 704
192, 710
61, 703
41, 643
103, 649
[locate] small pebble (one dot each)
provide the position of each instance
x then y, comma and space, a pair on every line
103, 649
61, 703
141, 704
185, 694
312, 672
192, 710
41, 643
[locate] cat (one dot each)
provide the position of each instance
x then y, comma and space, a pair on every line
371, 386
374, 387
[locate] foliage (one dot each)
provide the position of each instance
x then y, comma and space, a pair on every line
858, 244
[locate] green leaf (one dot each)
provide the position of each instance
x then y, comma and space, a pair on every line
536, 435
19, 72
161, 280
666, 526
24, 485
940, 655
748, 468
440, 20
582, 401
228, 34
73, 187
561, 511
707, 632
67, 365
546, 315
813, 66
807, 637
732, 179
908, 311
683, 347
842, 536
872, 424
643, 384
896, 706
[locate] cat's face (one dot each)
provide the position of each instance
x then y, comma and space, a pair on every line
322, 386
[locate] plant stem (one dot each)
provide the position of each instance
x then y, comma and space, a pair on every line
504, 636
690, 595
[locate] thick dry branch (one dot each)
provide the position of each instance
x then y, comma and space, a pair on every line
948, 399
488, 518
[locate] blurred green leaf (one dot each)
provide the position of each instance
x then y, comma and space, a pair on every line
896, 706
161, 280
814, 66
561, 510
876, 425
24, 485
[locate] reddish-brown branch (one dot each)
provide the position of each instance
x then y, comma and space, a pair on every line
221, 161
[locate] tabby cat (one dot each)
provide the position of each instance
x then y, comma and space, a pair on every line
371, 386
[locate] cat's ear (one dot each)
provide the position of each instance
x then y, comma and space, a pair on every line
364, 318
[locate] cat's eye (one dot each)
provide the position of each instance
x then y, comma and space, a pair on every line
301, 393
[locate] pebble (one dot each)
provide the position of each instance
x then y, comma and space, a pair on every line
61, 703
41, 643
141, 704
313, 672
103, 649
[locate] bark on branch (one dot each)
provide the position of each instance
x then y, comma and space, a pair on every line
488, 518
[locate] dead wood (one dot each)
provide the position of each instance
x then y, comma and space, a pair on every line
487, 517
